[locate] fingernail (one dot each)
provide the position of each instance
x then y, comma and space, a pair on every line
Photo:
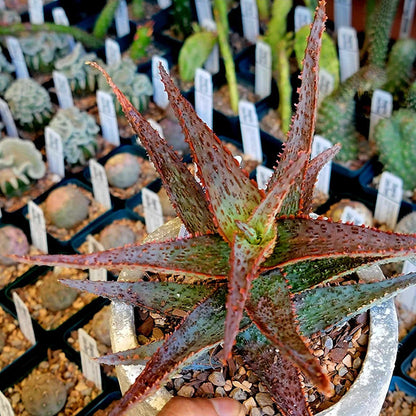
227, 407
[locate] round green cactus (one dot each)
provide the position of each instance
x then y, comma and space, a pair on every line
137, 87
20, 164
44, 395
29, 103
42, 49
123, 170
395, 138
78, 131
12, 241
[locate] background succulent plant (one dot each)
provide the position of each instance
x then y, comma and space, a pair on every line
78, 131
20, 164
12, 241
116, 235
258, 256
123, 170
6, 70
29, 103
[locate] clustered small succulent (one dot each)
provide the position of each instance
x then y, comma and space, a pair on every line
260, 260
6, 70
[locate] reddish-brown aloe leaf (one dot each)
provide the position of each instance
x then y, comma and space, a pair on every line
277, 373
200, 256
158, 296
270, 308
302, 238
303, 124
184, 192
232, 195
314, 167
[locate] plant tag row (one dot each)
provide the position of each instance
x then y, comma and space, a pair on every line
250, 132
63, 90
263, 175
342, 13
37, 227
389, 197
212, 63
303, 17
250, 19
60, 18
381, 107
152, 208
16, 54
6, 408
112, 52
90, 368
36, 16
99, 182
407, 19
203, 10
263, 70
349, 58
25, 321
203, 95
54, 152
7, 119
122, 19
93, 247
319, 145
326, 84
164, 4
160, 97
108, 118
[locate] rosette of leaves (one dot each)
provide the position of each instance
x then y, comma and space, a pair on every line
78, 131
20, 164
81, 77
6, 70
260, 261
42, 49
137, 87
29, 103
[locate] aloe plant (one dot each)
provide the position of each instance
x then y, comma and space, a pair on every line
259, 258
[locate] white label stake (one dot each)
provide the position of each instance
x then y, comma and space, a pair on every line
263, 70
203, 10
7, 118
349, 58
60, 18
153, 213
389, 197
164, 4
36, 16
108, 118
90, 368
263, 175
37, 227
342, 13
23, 316
63, 90
100, 183
203, 95
407, 18
18, 59
54, 152
112, 52
93, 247
381, 107
303, 17
160, 97
319, 145
212, 64
250, 132
6, 408
122, 19
326, 84
250, 19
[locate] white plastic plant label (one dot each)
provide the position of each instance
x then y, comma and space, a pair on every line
250, 132
250, 19
342, 13
164, 4
326, 84
203, 10
23, 316
16, 54
108, 118
99, 182
63, 90
352, 215
212, 63
122, 19
407, 18
160, 97
263, 174
263, 70
303, 17
349, 58
36, 16
54, 152
94, 246
320, 144
2, 7
407, 298
389, 197
37, 227
7, 118
153, 213
112, 52
381, 107
155, 125
90, 368
6, 408
60, 18
203, 95
371, 274
183, 232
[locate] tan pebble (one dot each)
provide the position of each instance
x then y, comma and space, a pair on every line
217, 378
178, 383
157, 333
207, 388
228, 385
357, 363
15, 398
318, 353
247, 384
347, 360
186, 391
220, 392
264, 399
142, 340
255, 411
238, 394
241, 371
363, 340
250, 403
262, 388
268, 410
241, 386
342, 371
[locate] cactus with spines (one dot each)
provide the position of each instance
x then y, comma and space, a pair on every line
136, 86
82, 78
66, 206
6, 71
29, 103
123, 170
116, 235
12, 241
43, 394
262, 263
142, 39
395, 139
78, 131
8, 17
42, 49
20, 165
105, 18
137, 9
